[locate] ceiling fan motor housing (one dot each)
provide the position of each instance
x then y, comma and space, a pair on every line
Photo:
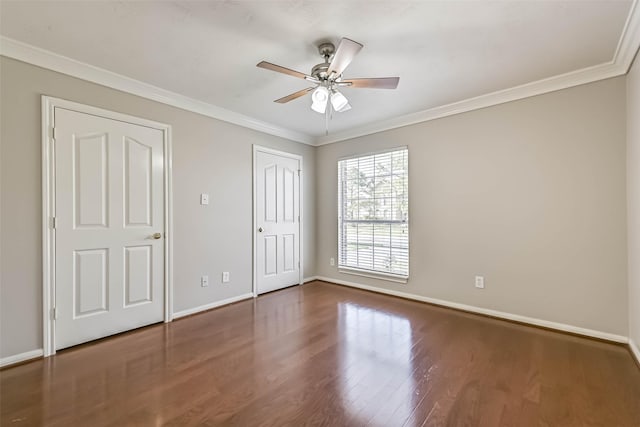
320, 71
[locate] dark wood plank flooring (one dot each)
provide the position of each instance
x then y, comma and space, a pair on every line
322, 354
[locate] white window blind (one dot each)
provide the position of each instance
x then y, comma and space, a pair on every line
373, 213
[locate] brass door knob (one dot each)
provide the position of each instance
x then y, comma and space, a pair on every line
157, 235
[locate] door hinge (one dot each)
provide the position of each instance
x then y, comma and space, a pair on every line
54, 313
54, 223
54, 133
299, 172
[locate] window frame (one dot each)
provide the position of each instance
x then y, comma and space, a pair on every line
375, 274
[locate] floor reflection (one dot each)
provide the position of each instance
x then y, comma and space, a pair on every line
325, 355
376, 364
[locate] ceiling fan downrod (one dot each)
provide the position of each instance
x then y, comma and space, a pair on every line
321, 71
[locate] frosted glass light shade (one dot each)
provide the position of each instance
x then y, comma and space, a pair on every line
320, 96
339, 101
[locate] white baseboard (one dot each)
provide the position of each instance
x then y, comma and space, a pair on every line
17, 358
488, 312
634, 350
309, 279
209, 306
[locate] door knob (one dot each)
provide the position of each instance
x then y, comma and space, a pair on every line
260, 230
157, 235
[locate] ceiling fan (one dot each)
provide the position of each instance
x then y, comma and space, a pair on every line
327, 77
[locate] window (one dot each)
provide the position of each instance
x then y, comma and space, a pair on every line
373, 214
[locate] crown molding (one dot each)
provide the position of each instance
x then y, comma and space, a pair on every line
43, 58
626, 50
629, 42
551, 84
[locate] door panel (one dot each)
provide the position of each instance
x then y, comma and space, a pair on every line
277, 221
270, 193
137, 183
270, 255
109, 186
90, 165
288, 198
90, 286
288, 252
137, 275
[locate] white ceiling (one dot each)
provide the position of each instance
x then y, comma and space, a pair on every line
443, 51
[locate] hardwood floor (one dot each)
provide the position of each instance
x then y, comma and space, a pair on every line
322, 354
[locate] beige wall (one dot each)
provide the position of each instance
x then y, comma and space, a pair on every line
529, 194
208, 156
633, 198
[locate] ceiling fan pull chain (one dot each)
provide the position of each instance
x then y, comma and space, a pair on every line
326, 118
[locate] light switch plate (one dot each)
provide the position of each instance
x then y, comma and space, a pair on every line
204, 199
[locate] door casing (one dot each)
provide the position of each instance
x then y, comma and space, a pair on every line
256, 149
48, 209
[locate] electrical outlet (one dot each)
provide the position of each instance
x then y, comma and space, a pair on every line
225, 276
204, 199
204, 281
332, 262
479, 282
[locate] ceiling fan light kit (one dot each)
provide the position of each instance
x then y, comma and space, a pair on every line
327, 76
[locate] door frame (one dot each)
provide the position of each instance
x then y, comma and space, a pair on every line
49, 104
299, 158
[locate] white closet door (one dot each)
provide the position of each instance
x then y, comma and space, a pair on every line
109, 203
277, 221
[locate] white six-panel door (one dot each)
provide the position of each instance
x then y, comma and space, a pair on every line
109, 208
277, 221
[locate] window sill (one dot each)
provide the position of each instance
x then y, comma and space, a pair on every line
374, 275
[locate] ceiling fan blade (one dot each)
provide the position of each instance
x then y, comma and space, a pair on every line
294, 95
273, 67
375, 83
346, 51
